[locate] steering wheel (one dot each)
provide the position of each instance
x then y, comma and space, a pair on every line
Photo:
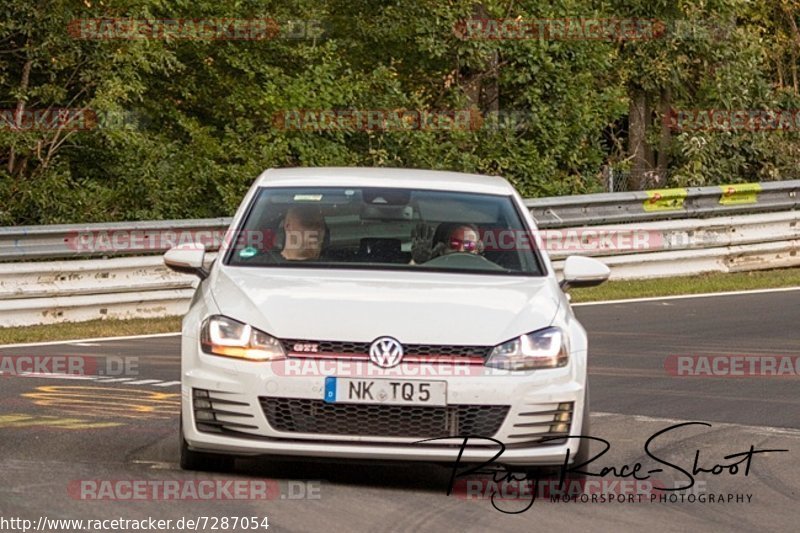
463, 260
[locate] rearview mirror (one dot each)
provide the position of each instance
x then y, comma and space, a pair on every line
582, 271
187, 259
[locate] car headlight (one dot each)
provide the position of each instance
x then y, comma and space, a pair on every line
221, 335
546, 348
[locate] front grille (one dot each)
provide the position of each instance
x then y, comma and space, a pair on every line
455, 351
295, 415
362, 348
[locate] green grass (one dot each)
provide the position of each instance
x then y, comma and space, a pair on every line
699, 284
89, 329
612, 290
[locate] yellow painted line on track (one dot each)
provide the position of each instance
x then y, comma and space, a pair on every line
19, 420
107, 401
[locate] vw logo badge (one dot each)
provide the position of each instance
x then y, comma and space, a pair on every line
386, 352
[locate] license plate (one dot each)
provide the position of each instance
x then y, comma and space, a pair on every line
385, 391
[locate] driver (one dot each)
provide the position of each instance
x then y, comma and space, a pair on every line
464, 238
447, 239
304, 228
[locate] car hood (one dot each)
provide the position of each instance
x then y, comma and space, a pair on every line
413, 307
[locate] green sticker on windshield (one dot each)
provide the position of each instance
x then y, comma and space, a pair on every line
248, 252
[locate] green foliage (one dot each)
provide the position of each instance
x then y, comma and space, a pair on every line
195, 119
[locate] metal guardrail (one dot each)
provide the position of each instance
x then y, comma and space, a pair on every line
37, 292
127, 286
104, 239
718, 233
639, 206
81, 240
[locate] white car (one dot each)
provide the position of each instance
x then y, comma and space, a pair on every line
373, 313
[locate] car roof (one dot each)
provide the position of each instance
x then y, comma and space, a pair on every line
384, 177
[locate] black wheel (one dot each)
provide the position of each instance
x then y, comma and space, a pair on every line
203, 461
583, 451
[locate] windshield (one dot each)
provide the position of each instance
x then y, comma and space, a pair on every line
370, 228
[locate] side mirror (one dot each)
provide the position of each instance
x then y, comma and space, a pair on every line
582, 271
187, 259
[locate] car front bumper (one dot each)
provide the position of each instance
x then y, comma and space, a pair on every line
246, 386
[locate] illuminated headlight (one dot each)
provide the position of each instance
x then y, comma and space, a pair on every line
546, 348
221, 335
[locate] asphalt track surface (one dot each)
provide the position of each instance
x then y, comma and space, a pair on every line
55, 432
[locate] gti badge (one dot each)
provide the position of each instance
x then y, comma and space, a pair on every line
305, 347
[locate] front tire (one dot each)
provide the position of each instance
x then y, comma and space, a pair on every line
581, 457
583, 450
203, 461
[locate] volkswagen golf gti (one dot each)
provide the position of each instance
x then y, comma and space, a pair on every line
382, 314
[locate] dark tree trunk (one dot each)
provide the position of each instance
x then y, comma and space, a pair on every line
19, 110
637, 146
665, 139
480, 83
490, 103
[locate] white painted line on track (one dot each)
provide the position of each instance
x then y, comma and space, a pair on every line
685, 296
581, 304
94, 339
790, 432
47, 375
135, 381
98, 379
